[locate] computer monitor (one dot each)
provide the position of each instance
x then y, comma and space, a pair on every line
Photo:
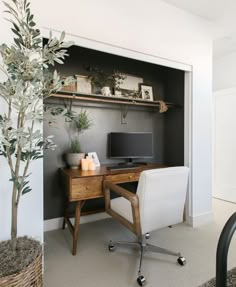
130, 145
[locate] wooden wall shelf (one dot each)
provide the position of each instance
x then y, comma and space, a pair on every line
110, 100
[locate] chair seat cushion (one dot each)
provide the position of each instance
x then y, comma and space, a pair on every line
123, 207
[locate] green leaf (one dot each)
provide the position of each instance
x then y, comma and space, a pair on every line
26, 190
16, 27
58, 61
12, 149
25, 183
2, 153
32, 24
15, 32
12, 179
63, 34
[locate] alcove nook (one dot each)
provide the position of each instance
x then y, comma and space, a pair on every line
168, 84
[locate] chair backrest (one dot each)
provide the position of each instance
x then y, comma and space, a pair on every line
162, 194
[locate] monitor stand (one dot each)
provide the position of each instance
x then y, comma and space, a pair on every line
124, 165
127, 163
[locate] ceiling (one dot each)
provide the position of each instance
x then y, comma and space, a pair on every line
222, 13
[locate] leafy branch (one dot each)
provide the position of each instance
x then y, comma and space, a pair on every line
26, 64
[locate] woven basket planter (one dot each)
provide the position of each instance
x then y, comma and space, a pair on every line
31, 276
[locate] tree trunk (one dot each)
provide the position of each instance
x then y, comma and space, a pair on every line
14, 217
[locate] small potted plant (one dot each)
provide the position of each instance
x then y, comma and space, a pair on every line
74, 156
107, 82
27, 82
79, 123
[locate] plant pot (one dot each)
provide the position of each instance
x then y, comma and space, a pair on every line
31, 276
106, 91
74, 159
22, 267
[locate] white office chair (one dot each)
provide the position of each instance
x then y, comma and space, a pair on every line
159, 202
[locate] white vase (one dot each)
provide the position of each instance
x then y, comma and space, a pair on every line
74, 159
106, 91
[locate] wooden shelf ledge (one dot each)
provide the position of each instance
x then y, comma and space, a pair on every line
111, 99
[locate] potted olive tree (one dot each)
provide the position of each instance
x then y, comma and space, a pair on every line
26, 83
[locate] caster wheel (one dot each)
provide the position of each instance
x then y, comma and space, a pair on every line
111, 247
147, 235
141, 280
181, 261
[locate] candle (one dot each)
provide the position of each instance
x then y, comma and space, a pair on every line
84, 164
89, 159
92, 166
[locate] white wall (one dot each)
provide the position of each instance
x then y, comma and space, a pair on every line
224, 87
224, 72
31, 206
151, 27
225, 143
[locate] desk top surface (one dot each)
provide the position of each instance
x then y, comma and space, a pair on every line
102, 170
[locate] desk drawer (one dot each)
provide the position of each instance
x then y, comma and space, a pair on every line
86, 188
123, 177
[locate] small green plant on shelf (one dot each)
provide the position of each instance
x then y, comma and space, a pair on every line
99, 78
75, 146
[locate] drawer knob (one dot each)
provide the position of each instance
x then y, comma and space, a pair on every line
130, 176
86, 187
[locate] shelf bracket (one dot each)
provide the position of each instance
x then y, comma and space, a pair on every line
124, 112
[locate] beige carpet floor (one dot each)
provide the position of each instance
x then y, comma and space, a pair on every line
94, 265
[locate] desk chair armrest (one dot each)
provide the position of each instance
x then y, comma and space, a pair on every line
109, 186
131, 197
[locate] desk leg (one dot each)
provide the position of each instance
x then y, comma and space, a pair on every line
76, 226
65, 215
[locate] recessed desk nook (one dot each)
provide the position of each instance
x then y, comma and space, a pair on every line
85, 185
119, 95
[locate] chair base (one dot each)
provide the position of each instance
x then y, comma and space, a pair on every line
144, 246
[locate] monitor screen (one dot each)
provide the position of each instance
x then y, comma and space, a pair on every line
130, 145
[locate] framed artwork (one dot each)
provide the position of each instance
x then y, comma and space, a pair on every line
146, 92
94, 156
71, 87
84, 84
129, 87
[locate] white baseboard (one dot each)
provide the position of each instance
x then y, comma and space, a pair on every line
201, 219
56, 223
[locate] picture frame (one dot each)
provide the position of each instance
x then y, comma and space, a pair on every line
146, 92
83, 84
94, 156
129, 88
71, 87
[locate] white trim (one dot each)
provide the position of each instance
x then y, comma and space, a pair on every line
224, 92
188, 138
213, 172
223, 199
56, 223
117, 50
201, 219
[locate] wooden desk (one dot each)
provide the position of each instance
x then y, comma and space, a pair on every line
83, 185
